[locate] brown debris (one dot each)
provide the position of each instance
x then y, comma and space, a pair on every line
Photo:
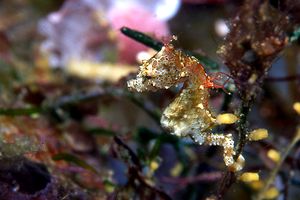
258, 34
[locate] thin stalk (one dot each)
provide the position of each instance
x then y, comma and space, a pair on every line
275, 171
20, 111
142, 38
155, 149
46, 107
242, 128
157, 45
75, 99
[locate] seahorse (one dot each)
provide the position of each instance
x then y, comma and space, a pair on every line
189, 114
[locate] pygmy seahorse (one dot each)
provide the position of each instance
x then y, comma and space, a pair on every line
189, 113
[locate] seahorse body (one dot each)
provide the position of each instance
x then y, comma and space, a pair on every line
189, 113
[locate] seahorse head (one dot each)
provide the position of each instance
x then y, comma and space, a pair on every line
162, 71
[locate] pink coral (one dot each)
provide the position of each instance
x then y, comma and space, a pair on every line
138, 18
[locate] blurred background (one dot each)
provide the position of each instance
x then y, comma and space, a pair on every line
70, 129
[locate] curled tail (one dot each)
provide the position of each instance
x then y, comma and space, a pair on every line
225, 141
